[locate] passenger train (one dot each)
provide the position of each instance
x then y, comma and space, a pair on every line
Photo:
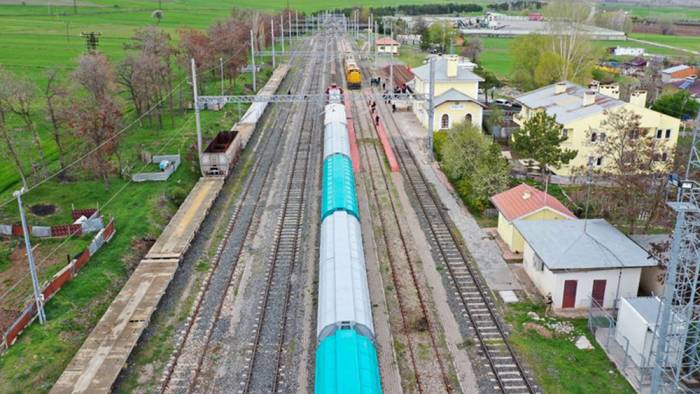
346, 358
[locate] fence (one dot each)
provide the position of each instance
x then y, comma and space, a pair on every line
161, 175
66, 274
90, 225
631, 362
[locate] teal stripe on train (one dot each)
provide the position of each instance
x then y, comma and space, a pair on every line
338, 187
346, 363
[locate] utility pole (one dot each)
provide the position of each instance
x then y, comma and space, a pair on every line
38, 297
431, 110
221, 69
391, 64
272, 31
282, 30
75, 6
296, 23
252, 56
196, 112
289, 23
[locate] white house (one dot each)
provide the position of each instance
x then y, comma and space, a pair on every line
578, 261
628, 51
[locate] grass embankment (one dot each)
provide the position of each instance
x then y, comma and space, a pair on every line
29, 45
559, 366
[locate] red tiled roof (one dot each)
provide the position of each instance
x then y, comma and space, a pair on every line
524, 199
387, 41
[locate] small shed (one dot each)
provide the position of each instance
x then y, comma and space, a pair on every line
637, 320
581, 262
525, 202
387, 45
678, 72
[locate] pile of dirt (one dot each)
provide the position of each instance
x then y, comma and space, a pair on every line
43, 209
537, 328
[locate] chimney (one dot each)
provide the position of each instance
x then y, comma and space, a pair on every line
588, 98
594, 86
452, 61
639, 98
526, 195
560, 88
610, 90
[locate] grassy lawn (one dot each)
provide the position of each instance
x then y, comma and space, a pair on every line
559, 366
685, 42
411, 56
655, 11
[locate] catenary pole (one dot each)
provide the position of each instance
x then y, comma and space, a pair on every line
272, 32
38, 297
431, 109
196, 112
252, 56
221, 71
282, 30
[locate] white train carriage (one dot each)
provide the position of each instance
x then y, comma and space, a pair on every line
336, 140
335, 113
343, 299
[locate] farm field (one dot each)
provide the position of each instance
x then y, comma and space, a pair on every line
685, 42
656, 11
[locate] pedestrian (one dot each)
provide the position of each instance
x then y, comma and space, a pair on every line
384, 86
393, 107
377, 120
289, 92
548, 302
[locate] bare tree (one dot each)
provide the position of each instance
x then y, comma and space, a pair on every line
96, 75
18, 98
633, 166
7, 138
55, 93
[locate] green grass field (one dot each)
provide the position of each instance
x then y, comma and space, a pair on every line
656, 11
685, 42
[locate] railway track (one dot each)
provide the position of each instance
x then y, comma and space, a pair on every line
473, 297
417, 323
183, 372
265, 371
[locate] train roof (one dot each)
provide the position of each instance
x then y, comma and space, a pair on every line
347, 363
335, 140
338, 187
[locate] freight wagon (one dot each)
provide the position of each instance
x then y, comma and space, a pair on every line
221, 153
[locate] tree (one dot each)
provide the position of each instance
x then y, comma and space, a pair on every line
55, 94
634, 166
475, 164
195, 44
490, 82
17, 96
679, 104
472, 49
96, 113
540, 139
8, 138
527, 51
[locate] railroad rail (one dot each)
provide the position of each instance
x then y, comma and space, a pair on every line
472, 295
183, 372
269, 338
400, 259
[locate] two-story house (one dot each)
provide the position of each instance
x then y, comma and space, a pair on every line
582, 110
456, 93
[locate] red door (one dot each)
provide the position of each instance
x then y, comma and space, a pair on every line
599, 291
569, 294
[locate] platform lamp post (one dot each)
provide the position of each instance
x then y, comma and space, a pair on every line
196, 112
38, 297
252, 57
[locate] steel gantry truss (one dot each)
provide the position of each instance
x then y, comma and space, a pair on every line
205, 102
676, 362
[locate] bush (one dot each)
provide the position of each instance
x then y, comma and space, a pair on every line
177, 195
439, 139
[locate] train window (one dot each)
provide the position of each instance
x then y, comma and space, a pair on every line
445, 121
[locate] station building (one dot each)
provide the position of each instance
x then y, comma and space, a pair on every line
456, 93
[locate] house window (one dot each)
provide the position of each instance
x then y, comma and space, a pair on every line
599, 161
668, 133
445, 121
659, 133
602, 137
565, 133
468, 118
594, 137
537, 263
664, 156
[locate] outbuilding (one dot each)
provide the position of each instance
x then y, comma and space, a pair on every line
387, 45
525, 202
676, 73
581, 261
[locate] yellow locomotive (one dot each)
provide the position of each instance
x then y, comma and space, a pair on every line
352, 73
